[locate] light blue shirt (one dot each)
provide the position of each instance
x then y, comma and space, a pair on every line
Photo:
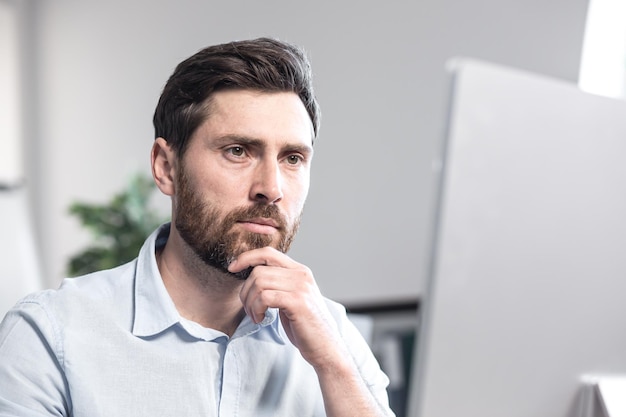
112, 344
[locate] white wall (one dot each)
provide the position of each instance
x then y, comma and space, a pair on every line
11, 160
100, 66
19, 270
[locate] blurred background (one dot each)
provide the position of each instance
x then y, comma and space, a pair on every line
79, 81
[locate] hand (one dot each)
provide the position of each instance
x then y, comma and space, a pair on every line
277, 281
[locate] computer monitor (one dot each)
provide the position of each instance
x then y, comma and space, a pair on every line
527, 294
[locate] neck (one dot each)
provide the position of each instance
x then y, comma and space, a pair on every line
200, 292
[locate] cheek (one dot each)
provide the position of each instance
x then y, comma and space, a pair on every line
299, 191
218, 186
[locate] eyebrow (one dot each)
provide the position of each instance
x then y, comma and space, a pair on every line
258, 143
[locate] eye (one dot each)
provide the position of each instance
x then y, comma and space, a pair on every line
237, 151
294, 159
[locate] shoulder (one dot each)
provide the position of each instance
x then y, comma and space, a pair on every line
101, 284
107, 292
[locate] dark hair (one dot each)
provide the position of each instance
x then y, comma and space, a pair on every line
261, 64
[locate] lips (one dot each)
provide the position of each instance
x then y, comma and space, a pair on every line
263, 221
261, 225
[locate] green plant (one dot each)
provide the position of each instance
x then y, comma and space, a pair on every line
119, 227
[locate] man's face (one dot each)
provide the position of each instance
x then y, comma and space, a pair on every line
244, 177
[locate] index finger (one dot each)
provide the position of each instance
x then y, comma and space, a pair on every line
262, 256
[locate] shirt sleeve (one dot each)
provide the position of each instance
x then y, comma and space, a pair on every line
32, 382
373, 376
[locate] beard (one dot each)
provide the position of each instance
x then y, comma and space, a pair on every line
213, 236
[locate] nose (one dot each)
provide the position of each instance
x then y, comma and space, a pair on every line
267, 183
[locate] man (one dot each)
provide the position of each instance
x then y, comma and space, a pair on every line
212, 318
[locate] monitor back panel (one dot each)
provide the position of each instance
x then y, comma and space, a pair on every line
528, 274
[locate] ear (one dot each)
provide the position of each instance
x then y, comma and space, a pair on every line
163, 159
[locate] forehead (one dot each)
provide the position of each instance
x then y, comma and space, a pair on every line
276, 116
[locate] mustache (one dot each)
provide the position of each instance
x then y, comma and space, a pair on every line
258, 210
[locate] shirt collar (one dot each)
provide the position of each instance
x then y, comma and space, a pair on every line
155, 311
